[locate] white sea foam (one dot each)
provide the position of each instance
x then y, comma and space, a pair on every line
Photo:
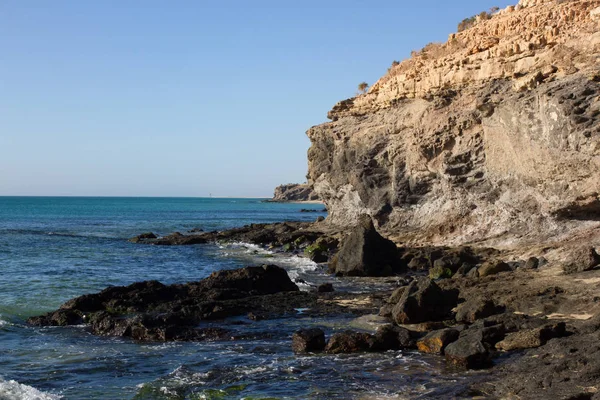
13, 390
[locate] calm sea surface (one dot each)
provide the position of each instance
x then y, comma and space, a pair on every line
56, 248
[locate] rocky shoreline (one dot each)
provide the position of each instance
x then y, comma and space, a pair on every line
531, 325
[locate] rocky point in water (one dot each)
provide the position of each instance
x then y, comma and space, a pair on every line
294, 192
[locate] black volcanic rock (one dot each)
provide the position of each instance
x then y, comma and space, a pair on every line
366, 253
423, 300
150, 311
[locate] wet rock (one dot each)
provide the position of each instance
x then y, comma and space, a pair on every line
308, 341
493, 268
142, 237
58, 318
532, 338
366, 253
320, 218
177, 239
349, 342
583, 258
150, 311
468, 352
435, 342
317, 251
325, 288
477, 308
390, 337
423, 300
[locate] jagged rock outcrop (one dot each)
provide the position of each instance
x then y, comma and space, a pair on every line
494, 134
294, 192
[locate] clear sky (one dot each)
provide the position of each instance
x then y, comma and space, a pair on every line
188, 98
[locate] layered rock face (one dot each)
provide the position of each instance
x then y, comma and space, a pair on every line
492, 136
294, 192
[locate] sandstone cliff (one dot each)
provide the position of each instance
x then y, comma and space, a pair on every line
492, 136
294, 192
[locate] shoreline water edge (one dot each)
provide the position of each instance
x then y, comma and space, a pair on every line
472, 308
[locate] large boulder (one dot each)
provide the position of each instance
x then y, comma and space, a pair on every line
390, 337
580, 259
365, 252
423, 300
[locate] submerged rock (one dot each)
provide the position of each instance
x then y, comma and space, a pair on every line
366, 253
325, 288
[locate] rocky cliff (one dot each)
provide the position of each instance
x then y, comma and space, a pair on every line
294, 192
493, 136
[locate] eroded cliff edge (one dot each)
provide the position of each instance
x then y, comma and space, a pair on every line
493, 136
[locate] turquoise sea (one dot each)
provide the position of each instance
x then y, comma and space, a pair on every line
56, 248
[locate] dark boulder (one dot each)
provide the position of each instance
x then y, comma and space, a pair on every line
423, 300
365, 252
532, 263
468, 352
477, 308
349, 342
308, 341
151, 311
390, 337
325, 288
250, 281
435, 342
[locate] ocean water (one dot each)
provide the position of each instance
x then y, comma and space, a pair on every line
56, 248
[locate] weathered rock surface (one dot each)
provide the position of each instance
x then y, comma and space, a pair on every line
294, 192
581, 258
493, 135
365, 252
308, 341
435, 342
493, 268
153, 311
422, 301
349, 342
531, 338
477, 308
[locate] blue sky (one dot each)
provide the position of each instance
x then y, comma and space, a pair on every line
187, 98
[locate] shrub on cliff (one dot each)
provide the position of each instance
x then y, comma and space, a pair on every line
471, 21
362, 87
